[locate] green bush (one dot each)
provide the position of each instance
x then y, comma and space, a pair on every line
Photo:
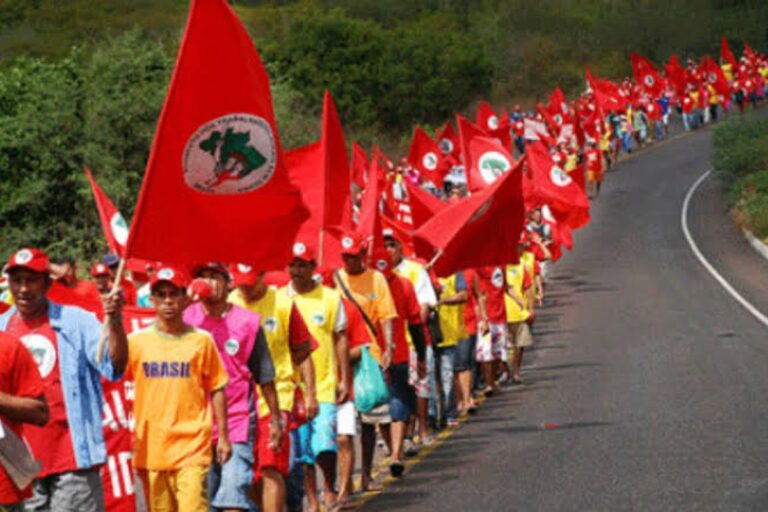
741, 147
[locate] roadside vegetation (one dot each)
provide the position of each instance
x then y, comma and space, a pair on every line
741, 156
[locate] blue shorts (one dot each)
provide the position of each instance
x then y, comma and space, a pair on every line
228, 484
318, 435
401, 395
465, 354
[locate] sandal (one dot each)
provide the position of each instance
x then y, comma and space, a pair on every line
396, 468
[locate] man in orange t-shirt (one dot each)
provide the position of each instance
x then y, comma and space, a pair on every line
176, 367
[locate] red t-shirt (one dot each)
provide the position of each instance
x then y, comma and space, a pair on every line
86, 290
687, 105
408, 312
594, 160
18, 377
129, 292
493, 283
52, 443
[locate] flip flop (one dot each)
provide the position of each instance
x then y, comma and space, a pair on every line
396, 469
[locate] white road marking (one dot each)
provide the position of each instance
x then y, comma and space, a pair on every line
707, 265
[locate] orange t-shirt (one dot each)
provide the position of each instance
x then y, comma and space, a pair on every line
173, 376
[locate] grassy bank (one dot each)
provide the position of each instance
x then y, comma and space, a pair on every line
741, 156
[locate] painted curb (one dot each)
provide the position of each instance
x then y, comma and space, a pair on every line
757, 244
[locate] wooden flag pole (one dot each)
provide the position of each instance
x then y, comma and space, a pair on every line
105, 328
434, 259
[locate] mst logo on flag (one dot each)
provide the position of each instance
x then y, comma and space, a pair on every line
119, 228
493, 164
559, 177
233, 154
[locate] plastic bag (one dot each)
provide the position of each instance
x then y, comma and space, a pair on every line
370, 387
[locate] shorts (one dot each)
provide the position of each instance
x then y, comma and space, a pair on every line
72, 490
176, 489
493, 345
424, 387
465, 354
228, 484
595, 177
402, 399
519, 335
317, 436
378, 416
346, 419
265, 456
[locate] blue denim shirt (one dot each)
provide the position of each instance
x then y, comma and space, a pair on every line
77, 336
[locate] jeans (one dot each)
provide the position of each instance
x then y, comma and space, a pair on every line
444, 362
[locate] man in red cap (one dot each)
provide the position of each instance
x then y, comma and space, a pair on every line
102, 277
71, 446
243, 349
178, 374
368, 290
290, 344
323, 312
21, 401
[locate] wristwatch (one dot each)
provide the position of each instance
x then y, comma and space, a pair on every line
277, 421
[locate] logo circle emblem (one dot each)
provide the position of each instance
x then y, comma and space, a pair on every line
493, 164
558, 118
381, 265
493, 123
243, 268
347, 242
712, 78
119, 228
446, 146
43, 352
559, 177
299, 249
429, 161
270, 324
318, 318
231, 346
165, 274
649, 80
232, 154
497, 278
23, 257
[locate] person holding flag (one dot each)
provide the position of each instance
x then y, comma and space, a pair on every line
64, 340
593, 158
243, 349
519, 302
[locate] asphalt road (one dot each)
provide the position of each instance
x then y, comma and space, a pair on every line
648, 389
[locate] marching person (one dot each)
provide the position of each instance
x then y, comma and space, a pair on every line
63, 342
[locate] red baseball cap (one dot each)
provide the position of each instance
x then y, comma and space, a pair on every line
353, 243
303, 251
216, 267
382, 261
391, 233
31, 259
100, 269
175, 276
244, 275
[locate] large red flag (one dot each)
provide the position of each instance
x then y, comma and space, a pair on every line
675, 74
488, 161
486, 118
424, 205
727, 55
425, 155
606, 94
215, 187
646, 75
338, 205
112, 222
546, 183
360, 165
482, 229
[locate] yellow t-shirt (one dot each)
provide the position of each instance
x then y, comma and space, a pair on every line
571, 162
515, 279
371, 291
319, 309
529, 260
451, 315
173, 376
275, 312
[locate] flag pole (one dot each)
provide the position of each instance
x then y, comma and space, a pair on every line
434, 259
114, 291
320, 249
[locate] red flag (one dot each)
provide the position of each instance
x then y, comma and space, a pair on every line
675, 74
448, 141
425, 155
727, 55
360, 165
486, 118
749, 53
424, 205
215, 187
489, 222
547, 183
607, 97
646, 75
369, 225
112, 222
488, 161
338, 206
715, 76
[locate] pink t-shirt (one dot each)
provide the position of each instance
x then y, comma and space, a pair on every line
235, 336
